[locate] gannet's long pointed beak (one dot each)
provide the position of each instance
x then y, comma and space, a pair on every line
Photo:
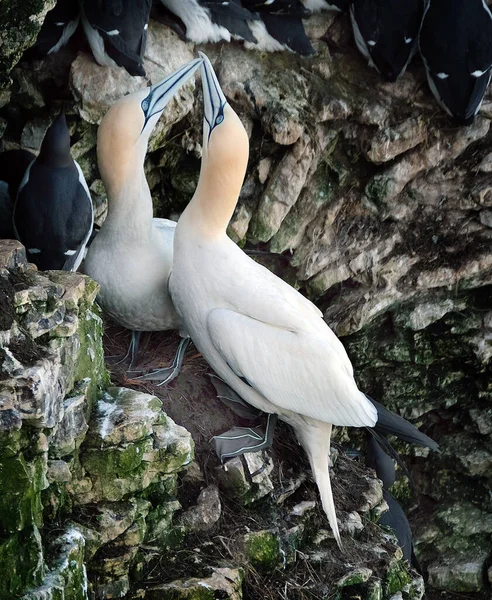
214, 100
160, 93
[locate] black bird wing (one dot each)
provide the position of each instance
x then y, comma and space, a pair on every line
396, 520
53, 216
456, 46
289, 31
390, 423
379, 460
232, 16
342, 5
59, 25
13, 165
479, 60
390, 30
277, 7
123, 26
6, 209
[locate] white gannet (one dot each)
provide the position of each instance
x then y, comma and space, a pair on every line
131, 256
261, 336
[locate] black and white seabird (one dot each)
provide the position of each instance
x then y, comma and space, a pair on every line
59, 25
117, 31
53, 213
132, 255
334, 5
386, 33
213, 20
456, 47
280, 26
13, 165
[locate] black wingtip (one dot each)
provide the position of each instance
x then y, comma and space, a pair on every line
390, 423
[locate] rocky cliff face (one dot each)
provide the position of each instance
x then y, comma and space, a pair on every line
94, 498
382, 211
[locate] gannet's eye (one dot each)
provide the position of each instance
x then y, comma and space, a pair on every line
219, 119
145, 105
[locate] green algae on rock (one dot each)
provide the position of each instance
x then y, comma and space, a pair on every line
21, 21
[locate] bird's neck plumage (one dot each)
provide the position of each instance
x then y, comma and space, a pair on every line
221, 178
215, 199
129, 200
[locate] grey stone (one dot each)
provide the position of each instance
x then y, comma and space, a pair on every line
20, 26
283, 189
486, 217
111, 588
372, 496
68, 570
205, 514
460, 574
482, 419
34, 132
114, 518
466, 520
123, 416
224, 583
262, 549
389, 142
278, 97
352, 525
246, 478
71, 430
299, 510
354, 577
58, 471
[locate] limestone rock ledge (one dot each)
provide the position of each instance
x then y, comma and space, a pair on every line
93, 501
382, 210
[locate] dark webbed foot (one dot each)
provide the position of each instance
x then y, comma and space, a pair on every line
229, 397
131, 352
239, 440
167, 374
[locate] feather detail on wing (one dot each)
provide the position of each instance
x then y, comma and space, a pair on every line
297, 371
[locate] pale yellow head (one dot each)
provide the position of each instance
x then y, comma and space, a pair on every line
225, 153
124, 132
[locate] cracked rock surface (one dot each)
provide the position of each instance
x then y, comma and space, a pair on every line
381, 209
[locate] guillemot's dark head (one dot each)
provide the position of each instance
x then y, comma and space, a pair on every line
55, 148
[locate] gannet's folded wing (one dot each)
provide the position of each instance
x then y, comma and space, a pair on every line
297, 371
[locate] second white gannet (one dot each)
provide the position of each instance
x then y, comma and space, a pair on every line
261, 336
131, 257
